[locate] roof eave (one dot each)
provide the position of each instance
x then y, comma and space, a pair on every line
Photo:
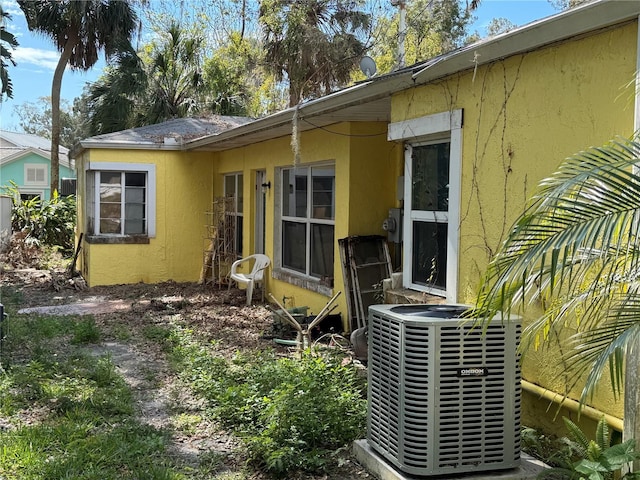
111, 145
355, 95
571, 23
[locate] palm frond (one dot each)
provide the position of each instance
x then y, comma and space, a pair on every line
575, 252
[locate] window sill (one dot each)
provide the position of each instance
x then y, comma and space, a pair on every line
302, 281
108, 240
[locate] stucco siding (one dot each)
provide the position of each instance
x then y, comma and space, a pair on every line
365, 173
183, 192
522, 116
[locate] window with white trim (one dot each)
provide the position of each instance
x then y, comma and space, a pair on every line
121, 200
433, 157
307, 220
233, 184
36, 174
429, 213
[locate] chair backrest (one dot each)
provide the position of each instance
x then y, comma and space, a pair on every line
261, 262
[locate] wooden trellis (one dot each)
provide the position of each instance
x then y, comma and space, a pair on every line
220, 241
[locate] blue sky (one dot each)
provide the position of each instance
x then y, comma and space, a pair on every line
37, 58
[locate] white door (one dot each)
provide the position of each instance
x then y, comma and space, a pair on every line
261, 193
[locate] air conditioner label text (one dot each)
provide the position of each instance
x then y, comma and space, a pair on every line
472, 372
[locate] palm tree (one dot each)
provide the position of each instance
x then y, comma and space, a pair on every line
7, 41
165, 81
79, 30
312, 43
174, 69
575, 253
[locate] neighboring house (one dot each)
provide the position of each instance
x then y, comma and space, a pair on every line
26, 160
458, 142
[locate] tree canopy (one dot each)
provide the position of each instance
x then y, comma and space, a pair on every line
79, 30
8, 42
314, 44
241, 57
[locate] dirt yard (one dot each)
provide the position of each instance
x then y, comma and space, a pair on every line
123, 313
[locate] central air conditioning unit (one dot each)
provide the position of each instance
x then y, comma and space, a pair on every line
444, 396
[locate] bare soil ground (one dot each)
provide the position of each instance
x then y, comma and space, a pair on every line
219, 314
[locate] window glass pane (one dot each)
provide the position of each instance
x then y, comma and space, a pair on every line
322, 250
239, 235
91, 204
294, 241
134, 194
134, 227
135, 179
133, 211
110, 210
230, 188
110, 225
239, 194
110, 177
323, 193
110, 187
430, 182
294, 192
429, 263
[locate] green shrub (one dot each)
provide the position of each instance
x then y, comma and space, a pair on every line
291, 413
578, 458
48, 222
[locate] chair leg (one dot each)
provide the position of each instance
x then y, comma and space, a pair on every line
249, 292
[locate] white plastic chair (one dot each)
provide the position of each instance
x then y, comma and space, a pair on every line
261, 262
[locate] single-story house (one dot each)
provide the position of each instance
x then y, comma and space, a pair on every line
457, 143
26, 160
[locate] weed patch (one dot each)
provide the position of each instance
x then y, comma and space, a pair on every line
291, 413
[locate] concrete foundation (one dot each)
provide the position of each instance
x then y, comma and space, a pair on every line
528, 470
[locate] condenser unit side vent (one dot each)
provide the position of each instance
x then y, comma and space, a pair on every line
444, 397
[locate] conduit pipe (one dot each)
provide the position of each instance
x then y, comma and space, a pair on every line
590, 412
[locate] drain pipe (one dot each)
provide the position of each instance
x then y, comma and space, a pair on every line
590, 412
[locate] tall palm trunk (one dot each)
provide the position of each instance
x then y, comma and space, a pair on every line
56, 86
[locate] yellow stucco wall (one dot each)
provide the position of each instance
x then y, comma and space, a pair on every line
183, 195
522, 117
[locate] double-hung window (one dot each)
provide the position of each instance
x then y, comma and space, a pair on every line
307, 216
433, 156
233, 191
121, 200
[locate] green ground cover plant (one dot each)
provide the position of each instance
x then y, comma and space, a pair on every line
577, 457
291, 413
68, 414
66, 411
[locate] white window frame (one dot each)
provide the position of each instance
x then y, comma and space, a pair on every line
31, 191
308, 220
445, 126
94, 168
36, 167
237, 212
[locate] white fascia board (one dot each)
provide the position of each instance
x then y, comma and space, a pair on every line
22, 153
88, 144
577, 21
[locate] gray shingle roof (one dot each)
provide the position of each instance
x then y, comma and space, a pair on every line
179, 130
